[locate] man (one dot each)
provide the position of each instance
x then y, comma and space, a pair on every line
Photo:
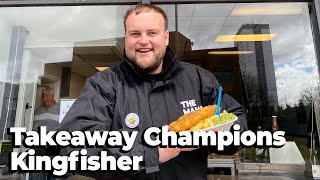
48, 113
152, 86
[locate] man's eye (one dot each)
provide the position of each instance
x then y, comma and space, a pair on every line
134, 34
153, 33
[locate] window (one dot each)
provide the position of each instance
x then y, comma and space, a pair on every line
57, 47
271, 53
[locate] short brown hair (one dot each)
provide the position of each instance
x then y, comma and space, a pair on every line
145, 7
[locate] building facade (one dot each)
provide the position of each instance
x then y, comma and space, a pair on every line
266, 50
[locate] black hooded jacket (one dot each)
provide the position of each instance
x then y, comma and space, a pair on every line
109, 96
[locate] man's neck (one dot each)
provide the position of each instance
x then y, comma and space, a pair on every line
158, 70
47, 108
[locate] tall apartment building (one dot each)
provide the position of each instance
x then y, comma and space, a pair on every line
259, 64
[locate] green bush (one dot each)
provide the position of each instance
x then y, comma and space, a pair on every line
6, 148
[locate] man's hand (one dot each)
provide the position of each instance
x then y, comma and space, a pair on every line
165, 154
188, 149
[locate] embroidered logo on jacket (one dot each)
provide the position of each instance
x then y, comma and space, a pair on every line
132, 120
189, 106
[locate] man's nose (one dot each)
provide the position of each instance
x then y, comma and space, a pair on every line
144, 39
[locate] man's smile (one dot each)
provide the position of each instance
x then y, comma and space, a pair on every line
144, 50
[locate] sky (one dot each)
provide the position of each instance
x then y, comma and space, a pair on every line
54, 30
292, 47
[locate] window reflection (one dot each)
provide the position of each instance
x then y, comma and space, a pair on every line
274, 75
270, 55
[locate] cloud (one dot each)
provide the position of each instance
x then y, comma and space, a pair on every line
65, 23
296, 79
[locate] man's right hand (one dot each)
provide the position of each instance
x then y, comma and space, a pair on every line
165, 154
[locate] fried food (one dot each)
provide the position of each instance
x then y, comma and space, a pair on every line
187, 121
214, 120
208, 122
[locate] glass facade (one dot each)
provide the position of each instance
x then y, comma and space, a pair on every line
263, 54
39, 44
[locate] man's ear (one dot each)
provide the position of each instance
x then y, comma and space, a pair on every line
167, 37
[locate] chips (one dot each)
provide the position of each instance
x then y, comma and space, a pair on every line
204, 123
214, 121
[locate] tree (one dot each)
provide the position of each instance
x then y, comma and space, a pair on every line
306, 96
254, 95
301, 113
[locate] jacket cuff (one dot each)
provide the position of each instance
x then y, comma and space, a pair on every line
151, 159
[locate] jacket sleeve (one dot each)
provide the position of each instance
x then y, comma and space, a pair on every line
93, 111
210, 87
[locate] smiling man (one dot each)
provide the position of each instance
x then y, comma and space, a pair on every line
146, 38
151, 88
48, 113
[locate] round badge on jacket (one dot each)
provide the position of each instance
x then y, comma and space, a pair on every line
132, 120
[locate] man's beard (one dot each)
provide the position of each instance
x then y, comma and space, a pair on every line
152, 66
